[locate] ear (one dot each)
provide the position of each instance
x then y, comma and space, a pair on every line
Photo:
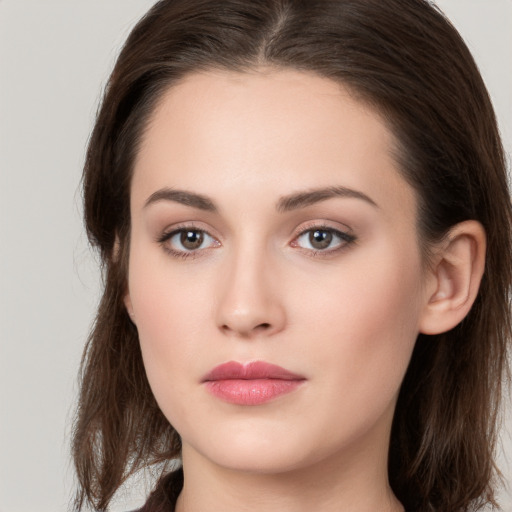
454, 278
128, 305
116, 254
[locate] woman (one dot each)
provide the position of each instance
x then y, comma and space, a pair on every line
303, 214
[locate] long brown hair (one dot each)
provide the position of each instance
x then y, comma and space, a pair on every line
406, 60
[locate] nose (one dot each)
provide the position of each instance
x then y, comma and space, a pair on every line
250, 302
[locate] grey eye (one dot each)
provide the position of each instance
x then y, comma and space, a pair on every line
323, 239
320, 239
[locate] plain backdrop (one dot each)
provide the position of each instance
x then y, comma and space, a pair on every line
55, 56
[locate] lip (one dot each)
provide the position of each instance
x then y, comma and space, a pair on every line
252, 383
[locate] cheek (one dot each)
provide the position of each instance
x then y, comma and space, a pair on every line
365, 327
351, 328
170, 317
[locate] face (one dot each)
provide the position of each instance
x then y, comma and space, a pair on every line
271, 228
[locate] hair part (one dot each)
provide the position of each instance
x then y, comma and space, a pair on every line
407, 61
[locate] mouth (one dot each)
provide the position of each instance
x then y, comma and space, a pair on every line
253, 383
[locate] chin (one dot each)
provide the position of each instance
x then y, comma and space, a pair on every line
256, 461
251, 449
262, 448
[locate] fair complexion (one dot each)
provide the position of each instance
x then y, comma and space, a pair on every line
270, 223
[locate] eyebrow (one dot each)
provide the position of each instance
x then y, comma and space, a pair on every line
309, 197
183, 197
287, 203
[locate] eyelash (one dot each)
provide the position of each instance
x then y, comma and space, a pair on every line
166, 236
346, 239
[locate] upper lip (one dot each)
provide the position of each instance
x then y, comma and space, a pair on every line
250, 371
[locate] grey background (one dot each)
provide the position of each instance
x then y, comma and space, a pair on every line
55, 56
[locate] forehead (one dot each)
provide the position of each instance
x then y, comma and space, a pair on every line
272, 130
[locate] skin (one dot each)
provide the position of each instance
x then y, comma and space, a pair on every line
345, 317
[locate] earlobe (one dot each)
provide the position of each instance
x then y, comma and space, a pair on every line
454, 278
116, 254
129, 306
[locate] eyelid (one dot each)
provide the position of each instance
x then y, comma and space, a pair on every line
323, 225
182, 226
167, 234
346, 236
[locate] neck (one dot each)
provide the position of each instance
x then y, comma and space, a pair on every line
348, 482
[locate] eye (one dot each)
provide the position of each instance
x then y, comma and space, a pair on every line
186, 241
323, 239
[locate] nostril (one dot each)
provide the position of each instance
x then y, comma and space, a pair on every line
265, 326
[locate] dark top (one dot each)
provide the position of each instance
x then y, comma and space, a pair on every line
163, 498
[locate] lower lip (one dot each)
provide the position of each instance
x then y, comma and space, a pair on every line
251, 392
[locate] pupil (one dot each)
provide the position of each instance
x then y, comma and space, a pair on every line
320, 239
191, 239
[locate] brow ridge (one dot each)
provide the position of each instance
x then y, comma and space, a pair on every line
286, 203
309, 197
183, 197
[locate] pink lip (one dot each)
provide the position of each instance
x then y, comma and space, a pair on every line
251, 384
